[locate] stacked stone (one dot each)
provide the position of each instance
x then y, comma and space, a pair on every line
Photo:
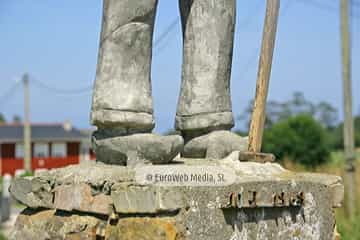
98, 201
106, 200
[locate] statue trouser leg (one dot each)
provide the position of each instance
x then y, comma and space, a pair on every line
122, 107
204, 115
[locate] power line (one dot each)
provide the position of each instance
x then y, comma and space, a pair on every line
323, 6
355, 3
88, 89
251, 16
158, 47
175, 22
254, 56
317, 4
320, 5
6, 96
166, 32
59, 90
162, 47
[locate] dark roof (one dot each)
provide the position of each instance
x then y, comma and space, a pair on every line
48, 132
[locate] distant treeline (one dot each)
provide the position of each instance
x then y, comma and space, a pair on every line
302, 131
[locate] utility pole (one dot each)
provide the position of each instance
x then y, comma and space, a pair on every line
350, 171
27, 127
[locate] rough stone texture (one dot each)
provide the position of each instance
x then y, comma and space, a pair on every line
206, 122
49, 224
68, 188
79, 197
33, 191
265, 201
215, 145
129, 198
122, 94
100, 176
208, 31
143, 228
314, 220
138, 149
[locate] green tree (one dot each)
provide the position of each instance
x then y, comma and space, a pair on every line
357, 131
300, 105
2, 118
17, 119
324, 112
336, 136
300, 138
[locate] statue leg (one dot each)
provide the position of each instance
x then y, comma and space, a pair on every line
122, 107
205, 105
122, 95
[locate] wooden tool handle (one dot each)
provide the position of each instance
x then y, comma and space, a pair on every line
262, 84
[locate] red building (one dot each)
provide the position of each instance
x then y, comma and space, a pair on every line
52, 146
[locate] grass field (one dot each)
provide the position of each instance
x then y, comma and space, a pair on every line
349, 229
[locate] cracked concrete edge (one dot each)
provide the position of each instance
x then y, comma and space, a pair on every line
332, 182
107, 182
131, 198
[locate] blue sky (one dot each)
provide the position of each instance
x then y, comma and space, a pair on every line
56, 42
